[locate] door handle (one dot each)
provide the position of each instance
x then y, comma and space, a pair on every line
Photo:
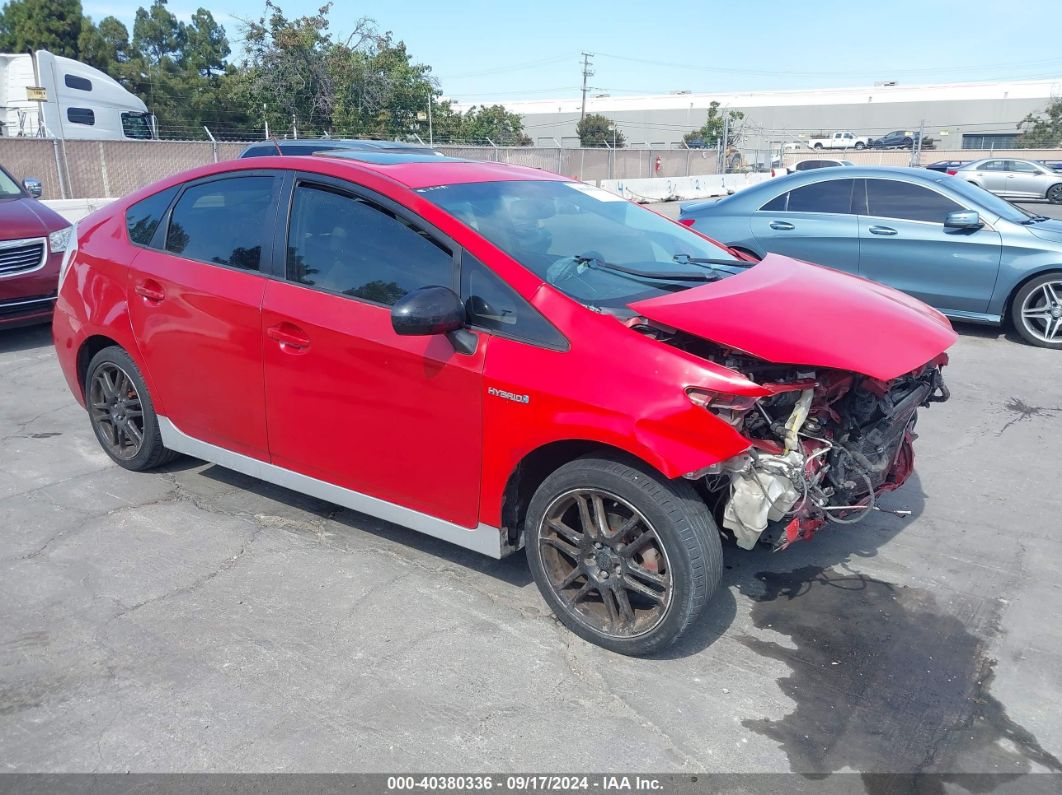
151, 290
882, 230
782, 225
289, 336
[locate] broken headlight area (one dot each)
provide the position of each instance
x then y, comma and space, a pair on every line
824, 445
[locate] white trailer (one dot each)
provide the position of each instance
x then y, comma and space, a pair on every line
48, 96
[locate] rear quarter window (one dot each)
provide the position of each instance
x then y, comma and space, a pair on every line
142, 219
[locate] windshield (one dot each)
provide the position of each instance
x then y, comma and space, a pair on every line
8, 186
988, 201
598, 248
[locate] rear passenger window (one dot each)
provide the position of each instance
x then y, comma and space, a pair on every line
829, 196
777, 204
223, 222
346, 244
891, 199
142, 218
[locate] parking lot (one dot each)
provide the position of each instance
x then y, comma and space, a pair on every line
195, 619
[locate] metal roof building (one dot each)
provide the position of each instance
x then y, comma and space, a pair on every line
957, 115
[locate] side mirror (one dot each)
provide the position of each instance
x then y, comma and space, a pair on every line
967, 219
433, 310
33, 187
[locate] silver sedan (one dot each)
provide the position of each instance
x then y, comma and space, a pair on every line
1013, 179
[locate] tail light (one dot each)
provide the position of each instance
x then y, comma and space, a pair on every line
686, 221
727, 407
68, 254
951, 171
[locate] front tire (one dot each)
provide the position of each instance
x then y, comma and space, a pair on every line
625, 558
121, 412
1054, 194
1036, 311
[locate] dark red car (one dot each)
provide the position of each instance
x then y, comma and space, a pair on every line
32, 241
499, 357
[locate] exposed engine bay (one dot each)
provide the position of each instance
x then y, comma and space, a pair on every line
825, 443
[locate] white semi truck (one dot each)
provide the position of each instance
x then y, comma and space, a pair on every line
48, 96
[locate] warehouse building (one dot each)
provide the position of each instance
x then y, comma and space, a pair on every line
957, 116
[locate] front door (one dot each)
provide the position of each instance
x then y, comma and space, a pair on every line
348, 400
195, 296
1025, 180
903, 243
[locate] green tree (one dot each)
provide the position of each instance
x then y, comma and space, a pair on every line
711, 132
157, 33
53, 25
494, 124
1042, 130
206, 45
597, 130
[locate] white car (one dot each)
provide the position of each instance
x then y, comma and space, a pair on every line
841, 139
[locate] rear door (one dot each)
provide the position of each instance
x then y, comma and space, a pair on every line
195, 297
349, 401
813, 223
993, 176
903, 243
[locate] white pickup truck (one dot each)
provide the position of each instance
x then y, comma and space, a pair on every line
839, 140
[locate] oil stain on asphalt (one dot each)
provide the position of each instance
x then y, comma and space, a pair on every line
884, 682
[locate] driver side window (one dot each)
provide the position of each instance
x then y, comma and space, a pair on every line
493, 306
345, 244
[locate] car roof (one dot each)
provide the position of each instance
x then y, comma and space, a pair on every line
796, 179
311, 145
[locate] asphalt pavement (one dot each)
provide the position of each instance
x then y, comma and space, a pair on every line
194, 619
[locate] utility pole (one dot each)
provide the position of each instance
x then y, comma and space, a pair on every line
587, 74
431, 136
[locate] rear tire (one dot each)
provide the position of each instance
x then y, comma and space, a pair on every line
1036, 311
625, 558
860, 145
818, 146
122, 413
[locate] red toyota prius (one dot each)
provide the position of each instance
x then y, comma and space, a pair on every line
502, 358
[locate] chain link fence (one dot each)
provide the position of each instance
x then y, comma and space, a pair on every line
108, 169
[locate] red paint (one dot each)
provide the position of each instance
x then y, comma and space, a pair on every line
322, 385
784, 310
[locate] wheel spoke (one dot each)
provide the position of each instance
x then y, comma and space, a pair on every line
633, 585
573, 575
584, 515
637, 543
134, 433
1049, 291
608, 598
107, 384
644, 574
1051, 329
625, 609
575, 597
600, 517
563, 546
572, 535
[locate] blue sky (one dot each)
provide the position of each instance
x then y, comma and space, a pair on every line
485, 51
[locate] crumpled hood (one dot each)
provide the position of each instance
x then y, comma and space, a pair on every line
27, 218
1047, 230
786, 311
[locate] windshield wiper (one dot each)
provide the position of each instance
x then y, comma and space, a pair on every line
1035, 219
683, 259
669, 276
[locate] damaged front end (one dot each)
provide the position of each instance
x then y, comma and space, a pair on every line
823, 445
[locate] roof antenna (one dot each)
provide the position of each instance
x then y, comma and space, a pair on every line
276, 143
